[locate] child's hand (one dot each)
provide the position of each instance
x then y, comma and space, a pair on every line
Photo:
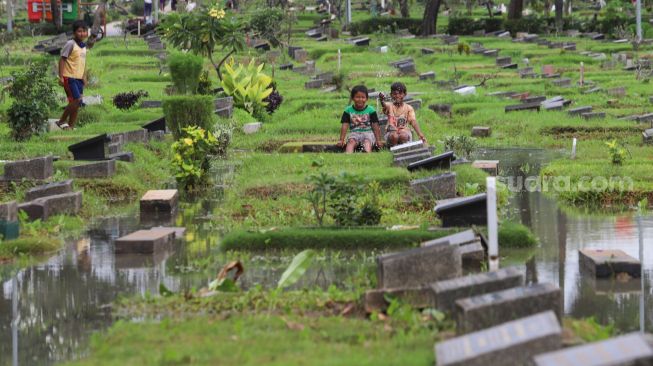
61, 81
381, 97
380, 144
340, 143
421, 137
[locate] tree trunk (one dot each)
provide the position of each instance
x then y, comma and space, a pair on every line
515, 9
403, 7
469, 4
547, 7
430, 19
217, 66
55, 15
559, 6
567, 8
98, 15
488, 5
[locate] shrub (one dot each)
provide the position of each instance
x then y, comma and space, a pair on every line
127, 100
461, 145
34, 96
273, 100
247, 85
616, 151
266, 23
185, 71
374, 25
185, 111
514, 235
191, 157
204, 86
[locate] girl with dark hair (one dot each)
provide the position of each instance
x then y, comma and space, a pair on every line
363, 122
400, 116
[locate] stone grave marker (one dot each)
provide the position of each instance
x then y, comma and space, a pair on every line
427, 51
579, 110
441, 186
617, 92
9, 226
447, 292
463, 211
563, 82
250, 128
523, 107
92, 149
406, 159
427, 75
630, 349
362, 42
442, 161
648, 136
286, 66
414, 145
101, 169
159, 201
144, 241
61, 204
593, 115
300, 55
487, 310
406, 68
471, 247
314, 84
49, 189
151, 104
602, 263
501, 61
547, 70
491, 53
31, 169
443, 110
158, 124
512, 343
645, 118
510, 66
534, 99
553, 106
489, 166
418, 266
92, 99
481, 131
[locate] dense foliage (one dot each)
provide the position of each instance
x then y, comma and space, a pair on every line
128, 99
266, 24
190, 157
185, 111
249, 86
34, 96
387, 25
185, 71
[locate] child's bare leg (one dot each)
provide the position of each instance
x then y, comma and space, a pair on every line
351, 145
73, 112
65, 115
394, 139
403, 137
367, 145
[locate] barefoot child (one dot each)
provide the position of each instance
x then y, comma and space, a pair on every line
72, 66
363, 122
399, 116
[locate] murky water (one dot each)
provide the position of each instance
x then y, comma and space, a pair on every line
49, 311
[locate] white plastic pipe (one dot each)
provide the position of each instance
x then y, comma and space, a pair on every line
492, 223
339, 59
642, 299
573, 149
582, 74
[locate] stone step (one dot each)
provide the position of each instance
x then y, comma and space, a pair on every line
419, 266
144, 241
604, 263
101, 169
447, 292
414, 145
409, 159
512, 343
629, 349
487, 310
49, 189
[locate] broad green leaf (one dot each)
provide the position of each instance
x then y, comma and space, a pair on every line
297, 268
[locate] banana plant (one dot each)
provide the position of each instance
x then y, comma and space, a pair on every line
249, 86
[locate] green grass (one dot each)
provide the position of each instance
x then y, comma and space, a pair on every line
514, 235
336, 239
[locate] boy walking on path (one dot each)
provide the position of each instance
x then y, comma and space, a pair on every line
72, 67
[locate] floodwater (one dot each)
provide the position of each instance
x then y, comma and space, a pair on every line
49, 311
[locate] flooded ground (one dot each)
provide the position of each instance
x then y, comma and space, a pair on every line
49, 311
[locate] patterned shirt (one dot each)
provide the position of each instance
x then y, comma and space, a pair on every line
399, 117
359, 120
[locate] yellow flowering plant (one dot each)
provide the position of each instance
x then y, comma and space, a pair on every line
190, 157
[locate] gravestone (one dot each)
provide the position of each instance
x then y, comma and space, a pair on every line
535, 106
465, 90
156, 125
139, 136
463, 211
501, 61
648, 136
579, 110
224, 107
30, 169
553, 106
285, 67
406, 159
92, 149
49, 189
362, 42
126, 156
159, 201
414, 145
9, 225
443, 110
427, 51
322, 39
481, 131
645, 118
491, 53
450, 40
512, 343
447, 292
442, 161
593, 115
61, 204
144, 241
263, 46
510, 66
151, 104
569, 47
547, 70
418, 266
564, 82
630, 349
592, 90
406, 68
313, 84
534, 99
471, 247
427, 76
300, 55
603, 263
292, 49
487, 310
92, 99
101, 169
617, 92
250, 128
489, 166
478, 50
441, 186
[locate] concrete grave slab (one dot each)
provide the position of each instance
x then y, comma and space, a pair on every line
481, 131
159, 201
30, 169
49, 189
441, 161
101, 169
489, 166
441, 186
602, 263
144, 241
463, 211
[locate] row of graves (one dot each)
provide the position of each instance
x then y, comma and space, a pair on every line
500, 319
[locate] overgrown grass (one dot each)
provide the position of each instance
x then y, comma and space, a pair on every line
515, 235
321, 238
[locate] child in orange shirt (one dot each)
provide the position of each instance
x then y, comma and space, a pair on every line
400, 115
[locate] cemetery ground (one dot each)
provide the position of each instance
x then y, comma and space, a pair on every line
266, 192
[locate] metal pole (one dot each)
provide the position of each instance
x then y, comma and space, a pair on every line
492, 222
638, 7
348, 12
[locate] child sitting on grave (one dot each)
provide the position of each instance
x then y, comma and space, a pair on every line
363, 122
399, 115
